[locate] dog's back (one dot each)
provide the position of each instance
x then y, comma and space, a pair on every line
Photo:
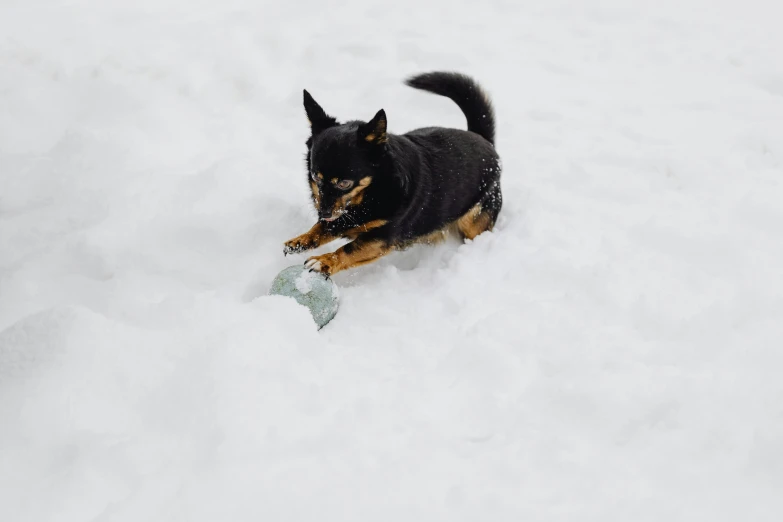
456, 172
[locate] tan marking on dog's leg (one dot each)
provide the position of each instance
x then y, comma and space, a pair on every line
358, 254
318, 236
311, 239
361, 229
474, 222
437, 236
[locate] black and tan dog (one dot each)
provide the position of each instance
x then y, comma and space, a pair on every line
385, 191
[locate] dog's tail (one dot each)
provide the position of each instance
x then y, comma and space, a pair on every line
466, 93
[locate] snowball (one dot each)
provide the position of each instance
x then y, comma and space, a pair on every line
310, 289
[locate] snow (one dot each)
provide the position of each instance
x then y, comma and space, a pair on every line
612, 351
304, 281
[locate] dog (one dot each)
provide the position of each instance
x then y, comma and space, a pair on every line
385, 192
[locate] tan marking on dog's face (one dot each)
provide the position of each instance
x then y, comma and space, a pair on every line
316, 193
320, 176
334, 181
357, 200
355, 196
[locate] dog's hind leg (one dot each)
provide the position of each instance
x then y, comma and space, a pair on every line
482, 216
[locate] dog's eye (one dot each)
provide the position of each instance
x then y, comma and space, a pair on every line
345, 184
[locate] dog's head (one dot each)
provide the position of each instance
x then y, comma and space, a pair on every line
342, 159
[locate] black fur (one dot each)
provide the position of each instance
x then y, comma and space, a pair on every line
421, 181
466, 94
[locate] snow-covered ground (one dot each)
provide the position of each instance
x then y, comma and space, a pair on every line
613, 351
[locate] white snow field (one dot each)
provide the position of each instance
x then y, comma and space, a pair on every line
613, 351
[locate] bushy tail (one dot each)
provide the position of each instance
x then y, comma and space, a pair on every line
466, 93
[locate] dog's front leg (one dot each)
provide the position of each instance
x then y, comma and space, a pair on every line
318, 235
357, 253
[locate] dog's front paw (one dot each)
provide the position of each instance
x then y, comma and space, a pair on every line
300, 244
325, 264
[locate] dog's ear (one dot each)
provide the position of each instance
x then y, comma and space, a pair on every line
319, 120
374, 131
